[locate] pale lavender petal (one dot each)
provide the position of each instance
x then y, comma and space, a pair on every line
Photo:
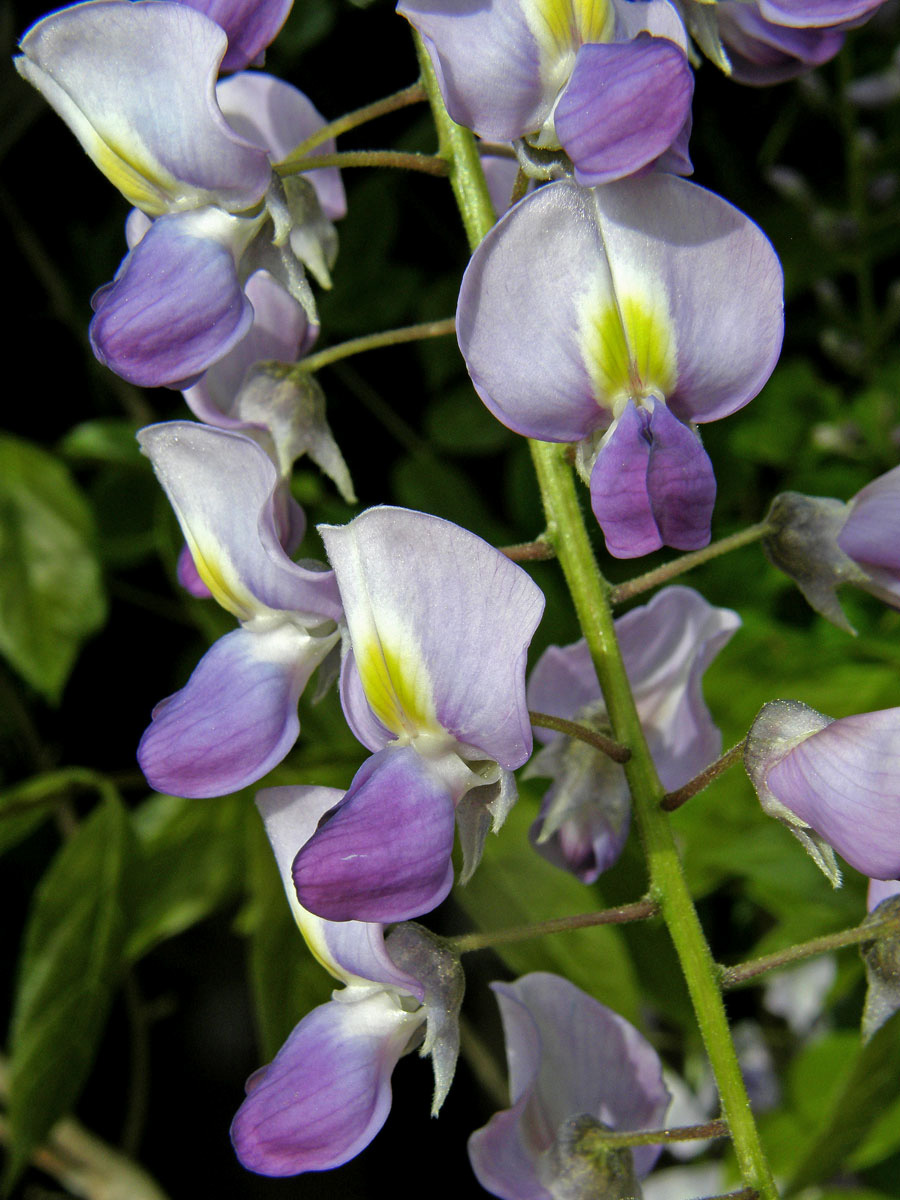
157, 134
487, 62
222, 486
276, 116
365, 725
620, 497
189, 577
500, 174
251, 25
623, 107
844, 782
680, 482
174, 308
280, 331
452, 614
881, 889
815, 13
762, 53
328, 1090
667, 645
871, 534
290, 815
384, 853
235, 719
562, 682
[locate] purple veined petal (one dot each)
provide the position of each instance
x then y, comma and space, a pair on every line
567, 1054
680, 482
619, 493
235, 718
762, 53
175, 305
328, 1090
487, 62
844, 782
667, 645
624, 106
500, 174
222, 488
801, 14
158, 134
440, 624
353, 951
280, 331
250, 25
879, 890
384, 854
871, 534
273, 114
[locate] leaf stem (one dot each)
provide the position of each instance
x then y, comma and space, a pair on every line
374, 341
612, 1138
741, 973
606, 745
673, 800
687, 562
640, 910
536, 551
430, 164
413, 94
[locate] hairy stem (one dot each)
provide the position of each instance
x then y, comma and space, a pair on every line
537, 551
608, 746
687, 562
673, 800
641, 910
430, 164
374, 341
612, 1138
413, 94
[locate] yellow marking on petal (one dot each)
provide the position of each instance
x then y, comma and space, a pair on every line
140, 183
629, 348
218, 574
562, 26
397, 687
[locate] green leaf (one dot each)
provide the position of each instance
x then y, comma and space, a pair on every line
514, 886
851, 1110
71, 963
103, 440
26, 805
51, 594
190, 862
287, 981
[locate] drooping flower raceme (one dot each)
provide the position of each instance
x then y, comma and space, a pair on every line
834, 783
236, 717
574, 1065
219, 212
823, 543
328, 1090
433, 682
666, 646
606, 80
612, 317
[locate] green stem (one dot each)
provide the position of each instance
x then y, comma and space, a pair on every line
374, 341
537, 551
590, 594
610, 1139
430, 164
599, 741
687, 562
741, 973
623, 915
352, 120
673, 800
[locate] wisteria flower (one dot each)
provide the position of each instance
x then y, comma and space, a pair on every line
823, 543
433, 682
759, 51
607, 82
666, 646
219, 212
834, 783
574, 1066
610, 317
328, 1090
236, 717
250, 25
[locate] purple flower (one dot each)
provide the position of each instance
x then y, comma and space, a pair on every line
328, 1090
610, 317
758, 50
834, 783
433, 682
250, 26
822, 544
666, 645
219, 212
608, 83
236, 717
575, 1066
